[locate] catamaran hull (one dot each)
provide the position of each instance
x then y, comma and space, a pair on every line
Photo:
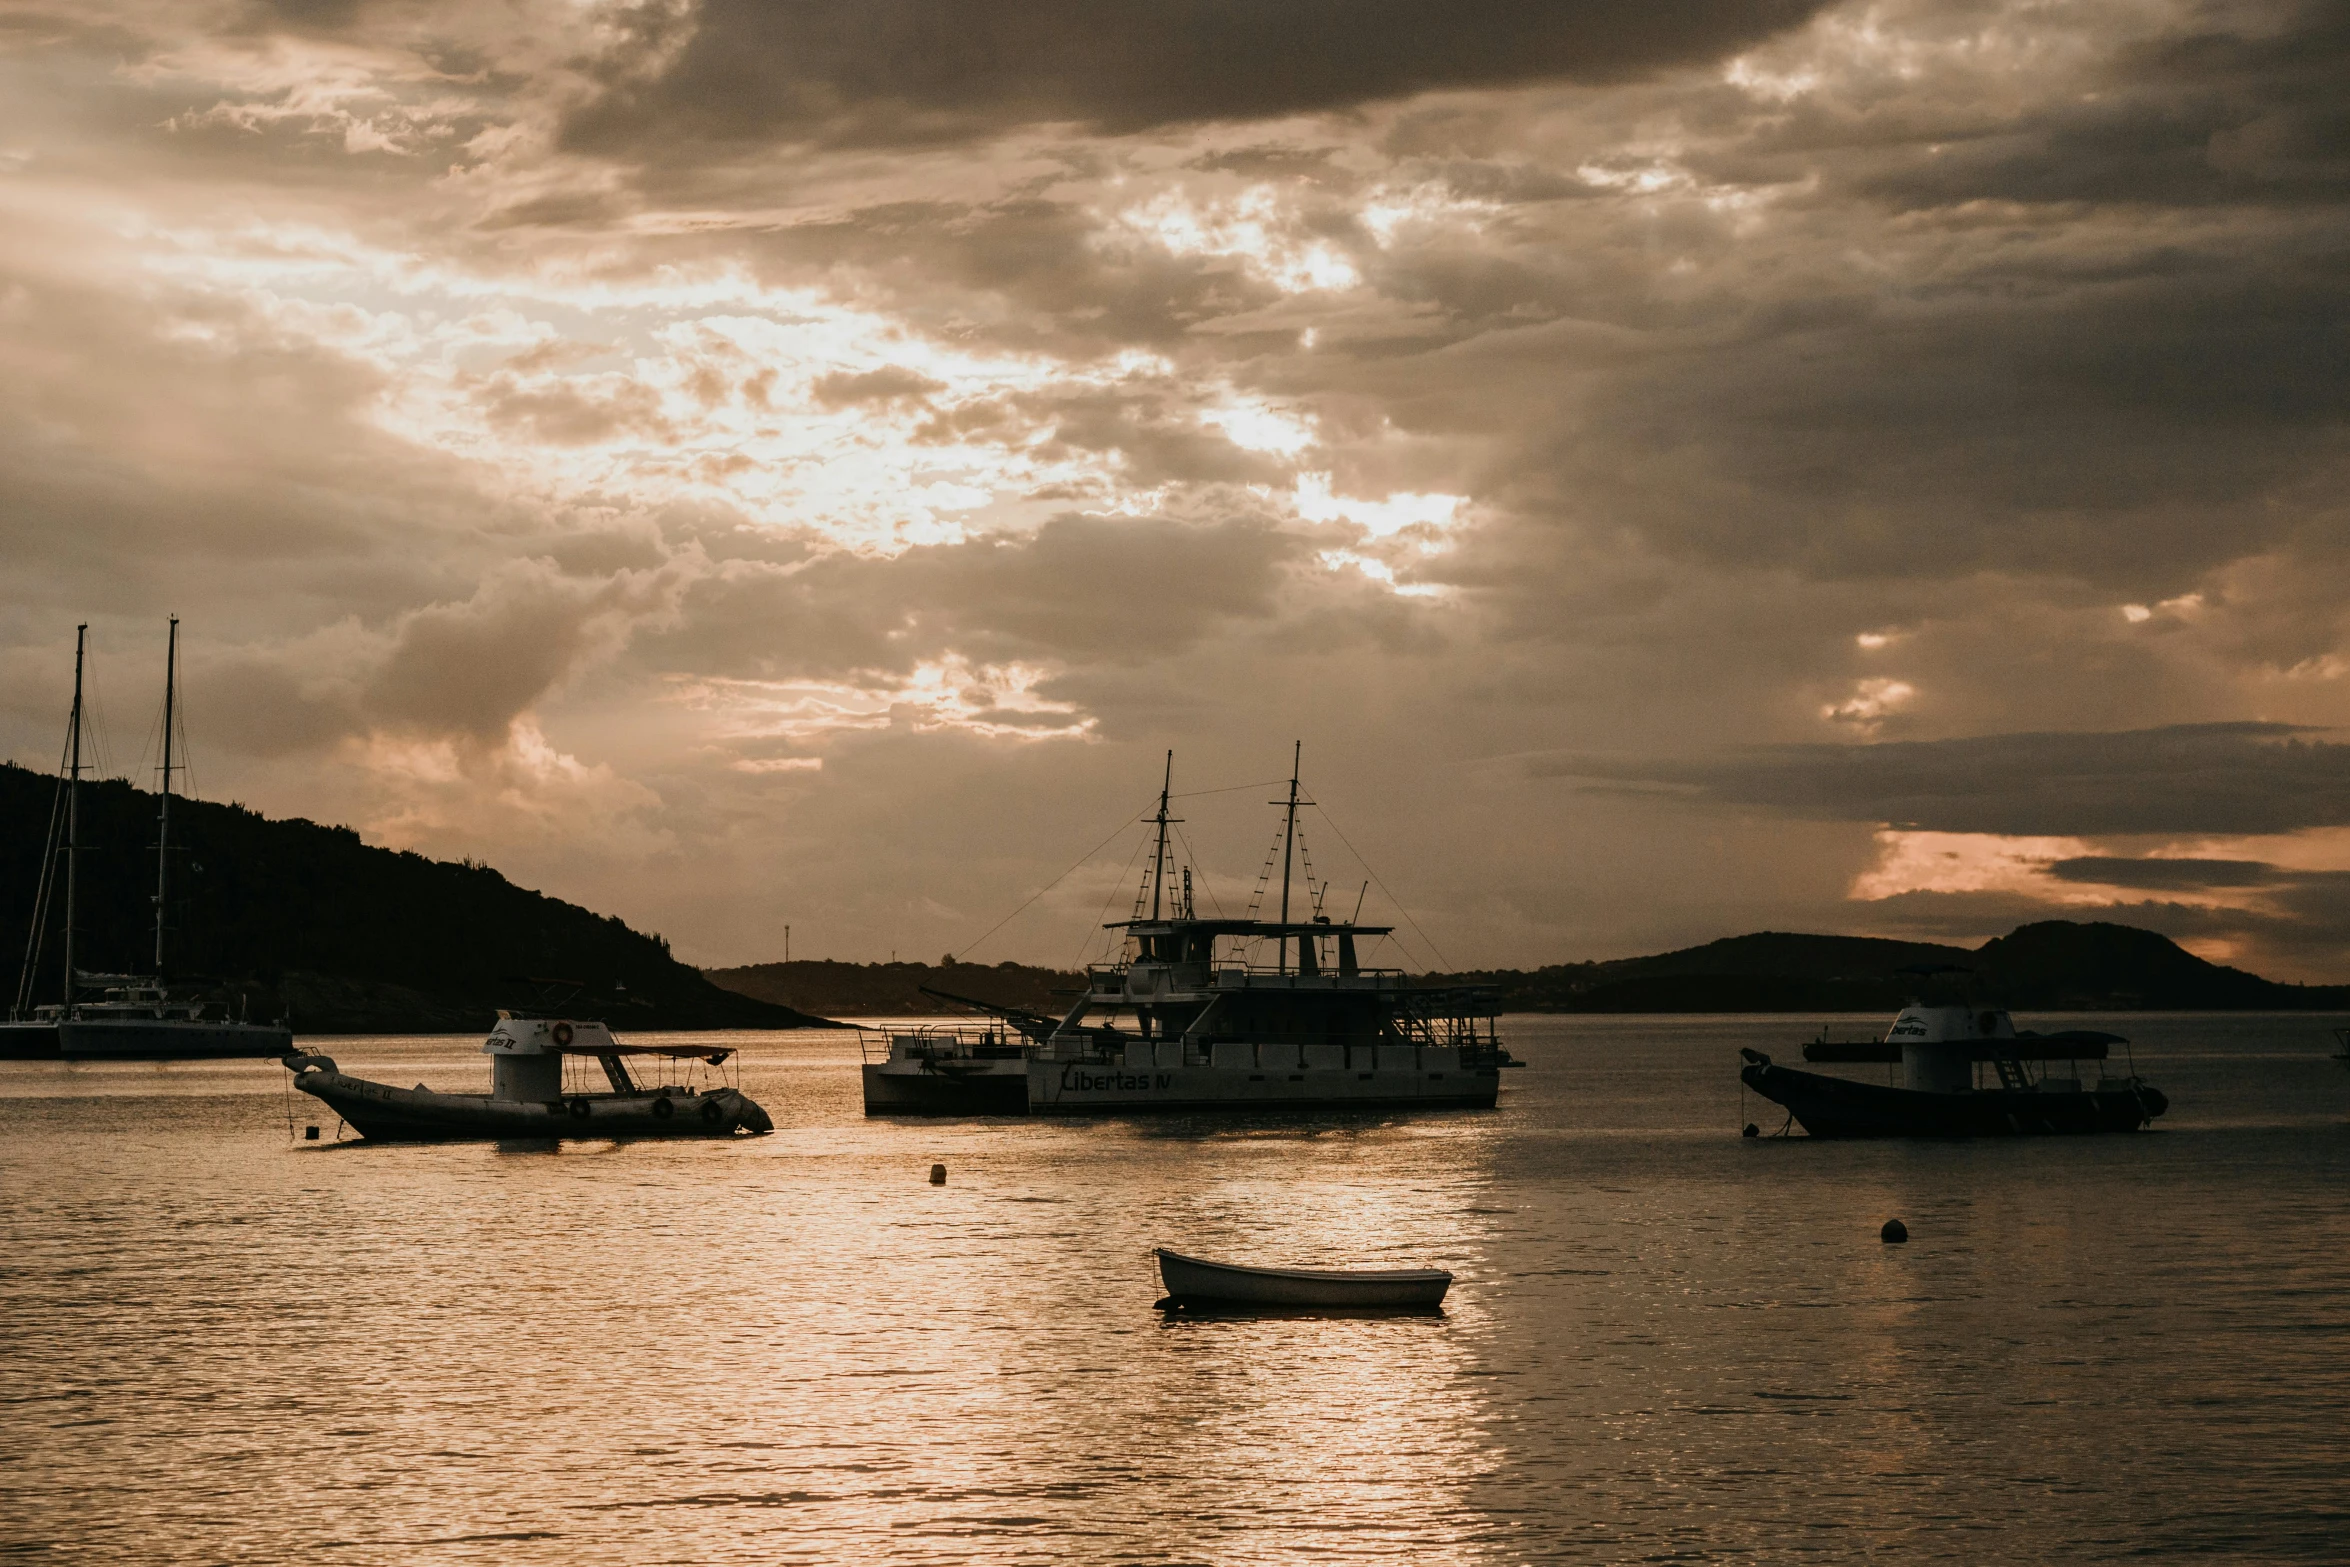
28, 1042
167, 1039
382, 1113
1045, 1086
1084, 1088
916, 1089
1839, 1107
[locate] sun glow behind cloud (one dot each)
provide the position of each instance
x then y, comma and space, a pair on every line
1252, 228
782, 404
1966, 862
994, 701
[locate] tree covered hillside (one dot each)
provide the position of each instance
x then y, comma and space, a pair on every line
344, 937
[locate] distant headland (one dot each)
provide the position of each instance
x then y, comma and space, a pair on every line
2051, 966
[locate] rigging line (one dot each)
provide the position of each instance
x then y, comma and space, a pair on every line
46, 885
1265, 875
1120, 881
1382, 886
1403, 949
185, 766
1050, 885
1191, 794
1192, 855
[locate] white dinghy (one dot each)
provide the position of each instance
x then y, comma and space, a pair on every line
1195, 1281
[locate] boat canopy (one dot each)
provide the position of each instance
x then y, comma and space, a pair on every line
710, 1053
560, 1036
2080, 1045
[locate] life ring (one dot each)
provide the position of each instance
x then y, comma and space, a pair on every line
579, 1109
562, 1034
663, 1109
712, 1111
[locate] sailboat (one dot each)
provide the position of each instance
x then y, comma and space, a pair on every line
123, 1017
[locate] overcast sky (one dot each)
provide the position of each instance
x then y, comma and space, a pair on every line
1679, 468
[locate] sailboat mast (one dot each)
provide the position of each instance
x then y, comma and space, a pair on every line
73, 805
1159, 861
1289, 841
171, 658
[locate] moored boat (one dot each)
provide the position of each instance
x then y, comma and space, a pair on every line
530, 1098
1197, 1281
1942, 1052
946, 1069
1211, 1014
120, 1017
139, 1019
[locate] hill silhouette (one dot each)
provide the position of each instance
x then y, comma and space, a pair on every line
2052, 965
292, 918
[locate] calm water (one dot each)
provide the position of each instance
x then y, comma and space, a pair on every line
1666, 1342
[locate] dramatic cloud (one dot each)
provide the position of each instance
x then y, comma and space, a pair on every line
2236, 779
2168, 875
884, 71
1679, 468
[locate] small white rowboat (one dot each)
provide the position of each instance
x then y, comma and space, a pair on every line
1191, 1280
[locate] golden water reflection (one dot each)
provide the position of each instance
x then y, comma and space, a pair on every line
1665, 1340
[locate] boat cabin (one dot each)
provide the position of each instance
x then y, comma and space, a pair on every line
1190, 985
1943, 1049
527, 1054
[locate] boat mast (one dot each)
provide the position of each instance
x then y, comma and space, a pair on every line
163, 818
1288, 841
1159, 859
73, 805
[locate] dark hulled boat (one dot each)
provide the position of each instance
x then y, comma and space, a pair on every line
529, 1097
1966, 1071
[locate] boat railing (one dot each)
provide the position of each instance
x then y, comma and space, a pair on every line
939, 1041
1305, 1048
1201, 976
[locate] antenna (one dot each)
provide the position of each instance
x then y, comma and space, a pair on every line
171, 658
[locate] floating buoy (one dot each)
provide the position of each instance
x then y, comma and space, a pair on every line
310, 1134
1894, 1232
938, 1175
1750, 1130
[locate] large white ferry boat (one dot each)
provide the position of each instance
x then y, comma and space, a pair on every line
1208, 1014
